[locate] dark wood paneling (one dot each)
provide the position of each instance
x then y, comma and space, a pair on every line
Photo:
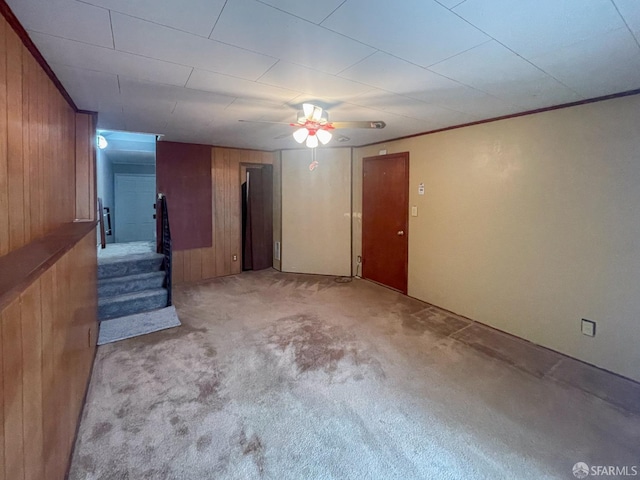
198, 264
183, 173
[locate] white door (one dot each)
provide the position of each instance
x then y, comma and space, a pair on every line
134, 198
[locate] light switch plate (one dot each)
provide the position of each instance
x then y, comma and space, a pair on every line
414, 210
588, 327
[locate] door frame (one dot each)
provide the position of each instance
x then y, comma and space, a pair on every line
115, 199
365, 242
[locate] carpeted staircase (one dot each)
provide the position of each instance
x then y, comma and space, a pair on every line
130, 284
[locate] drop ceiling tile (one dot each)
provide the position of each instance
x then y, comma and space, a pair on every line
489, 67
312, 11
249, 109
531, 27
194, 16
94, 91
90, 57
111, 121
164, 98
598, 66
312, 82
408, 107
394, 75
194, 114
142, 122
630, 10
65, 18
258, 27
450, 3
467, 100
418, 31
538, 93
155, 41
238, 87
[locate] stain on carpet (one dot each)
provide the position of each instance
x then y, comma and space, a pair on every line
318, 345
434, 321
203, 442
100, 430
253, 446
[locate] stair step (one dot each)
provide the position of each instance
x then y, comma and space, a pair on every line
130, 303
129, 265
108, 287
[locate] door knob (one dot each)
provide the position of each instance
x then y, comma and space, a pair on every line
400, 232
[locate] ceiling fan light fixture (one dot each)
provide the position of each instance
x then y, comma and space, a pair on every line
308, 109
324, 136
317, 114
301, 135
312, 141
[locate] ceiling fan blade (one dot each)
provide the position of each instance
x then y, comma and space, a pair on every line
375, 124
265, 121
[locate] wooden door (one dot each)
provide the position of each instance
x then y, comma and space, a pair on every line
258, 218
385, 208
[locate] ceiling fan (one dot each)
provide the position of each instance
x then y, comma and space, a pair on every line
314, 127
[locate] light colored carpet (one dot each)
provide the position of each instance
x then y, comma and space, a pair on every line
123, 249
283, 376
117, 329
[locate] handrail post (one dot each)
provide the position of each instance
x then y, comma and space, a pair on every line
164, 240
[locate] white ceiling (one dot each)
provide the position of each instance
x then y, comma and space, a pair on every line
191, 69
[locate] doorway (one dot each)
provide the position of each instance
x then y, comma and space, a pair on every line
134, 195
126, 184
257, 216
385, 205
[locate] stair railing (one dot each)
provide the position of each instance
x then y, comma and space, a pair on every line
164, 240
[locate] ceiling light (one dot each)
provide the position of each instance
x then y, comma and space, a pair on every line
301, 135
308, 109
324, 136
102, 142
312, 140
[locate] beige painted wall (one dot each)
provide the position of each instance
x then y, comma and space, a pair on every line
316, 205
531, 224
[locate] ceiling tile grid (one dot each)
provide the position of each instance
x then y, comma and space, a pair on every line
191, 69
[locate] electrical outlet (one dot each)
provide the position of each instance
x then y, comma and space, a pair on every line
359, 259
277, 250
235, 258
588, 327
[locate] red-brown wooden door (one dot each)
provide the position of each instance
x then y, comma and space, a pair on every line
385, 206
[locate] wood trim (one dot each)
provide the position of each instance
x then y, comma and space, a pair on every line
8, 14
513, 115
20, 268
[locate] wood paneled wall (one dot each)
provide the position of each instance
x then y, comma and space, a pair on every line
86, 196
48, 323
217, 261
37, 148
183, 174
48, 338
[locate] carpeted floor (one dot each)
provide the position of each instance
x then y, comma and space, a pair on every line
284, 376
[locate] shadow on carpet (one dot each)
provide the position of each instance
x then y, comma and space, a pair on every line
143, 323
